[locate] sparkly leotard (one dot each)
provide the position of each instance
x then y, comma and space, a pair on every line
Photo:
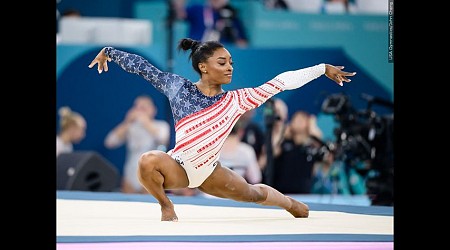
203, 122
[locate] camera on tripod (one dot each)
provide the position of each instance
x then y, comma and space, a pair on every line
365, 138
361, 132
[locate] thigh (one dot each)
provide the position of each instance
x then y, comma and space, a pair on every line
226, 183
173, 173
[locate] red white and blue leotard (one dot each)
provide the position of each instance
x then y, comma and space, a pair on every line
203, 122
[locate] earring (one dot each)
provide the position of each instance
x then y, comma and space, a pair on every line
204, 71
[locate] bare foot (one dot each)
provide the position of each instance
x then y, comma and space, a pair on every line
298, 209
168, 214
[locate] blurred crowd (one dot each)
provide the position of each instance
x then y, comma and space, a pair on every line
222, 20
297, 162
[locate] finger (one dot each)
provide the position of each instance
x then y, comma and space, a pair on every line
348, 73
92, 63
99, 68
338, 80
105, 66
345, 79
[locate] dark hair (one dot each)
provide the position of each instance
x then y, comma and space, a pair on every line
200, 51
71, 12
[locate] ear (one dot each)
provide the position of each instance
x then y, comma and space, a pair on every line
202, 67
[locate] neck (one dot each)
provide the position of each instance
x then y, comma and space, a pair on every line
209, 89
65, 137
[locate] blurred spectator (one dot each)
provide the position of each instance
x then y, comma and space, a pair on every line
325, 177
275, 4
371, 7
305, 6
253, 133
72, 129
336, 6
141, 132
333, 176
214, 20
295, 156
71, 13
240, 156
278, 130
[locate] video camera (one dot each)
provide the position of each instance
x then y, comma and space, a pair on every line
364, 137
361, 133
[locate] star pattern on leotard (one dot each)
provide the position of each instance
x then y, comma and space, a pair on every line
184, 97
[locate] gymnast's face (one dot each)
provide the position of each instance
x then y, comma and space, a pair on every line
219, 67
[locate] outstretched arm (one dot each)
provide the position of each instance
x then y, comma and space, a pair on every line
295, 79
254, 97
166, 82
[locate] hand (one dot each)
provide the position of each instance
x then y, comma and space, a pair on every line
313, 127
130, 116
336, 74
312, 121
102, 61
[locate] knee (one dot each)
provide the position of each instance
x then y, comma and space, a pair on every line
148, 162
255, 194
259, 197
260, 192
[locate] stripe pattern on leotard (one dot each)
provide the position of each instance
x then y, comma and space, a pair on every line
202, 122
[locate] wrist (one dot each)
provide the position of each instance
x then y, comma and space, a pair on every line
107, 51
325, 67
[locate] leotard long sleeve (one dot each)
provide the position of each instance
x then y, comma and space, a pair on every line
203, 122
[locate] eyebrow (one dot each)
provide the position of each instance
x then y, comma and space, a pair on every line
224, 58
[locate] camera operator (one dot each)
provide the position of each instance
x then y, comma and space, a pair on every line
214, 20
275, 116
330, 175
295, 156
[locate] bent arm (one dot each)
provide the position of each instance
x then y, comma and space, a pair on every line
116, 137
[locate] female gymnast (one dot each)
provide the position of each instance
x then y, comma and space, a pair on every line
204, 115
